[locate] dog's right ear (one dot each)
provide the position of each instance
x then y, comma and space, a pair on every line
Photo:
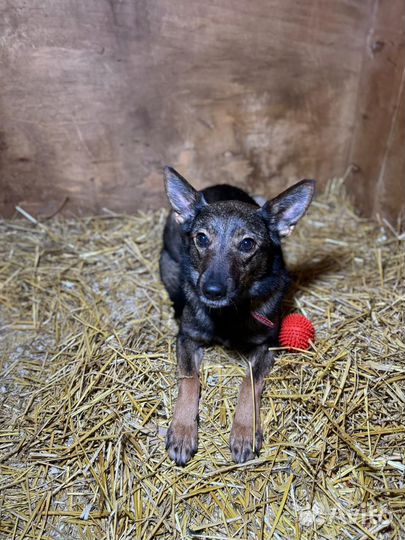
184, 199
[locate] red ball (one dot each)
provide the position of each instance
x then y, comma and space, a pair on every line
296, 332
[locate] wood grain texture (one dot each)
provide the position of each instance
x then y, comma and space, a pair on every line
378, 149
97, 96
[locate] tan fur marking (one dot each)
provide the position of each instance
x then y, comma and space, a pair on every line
246, 413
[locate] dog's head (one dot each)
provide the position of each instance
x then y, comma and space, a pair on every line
232, 245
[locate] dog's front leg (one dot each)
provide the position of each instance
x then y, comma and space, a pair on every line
182, 436
246, 434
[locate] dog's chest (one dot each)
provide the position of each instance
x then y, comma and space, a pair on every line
239, 330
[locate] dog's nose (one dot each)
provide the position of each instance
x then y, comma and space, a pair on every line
214, 290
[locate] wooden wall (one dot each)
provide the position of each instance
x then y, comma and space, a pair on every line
97, 95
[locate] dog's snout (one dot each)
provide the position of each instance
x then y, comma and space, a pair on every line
214, 290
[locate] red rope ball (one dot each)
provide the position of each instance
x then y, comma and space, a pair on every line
296, 332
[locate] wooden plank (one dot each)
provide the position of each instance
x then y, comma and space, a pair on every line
97, 96
378, 178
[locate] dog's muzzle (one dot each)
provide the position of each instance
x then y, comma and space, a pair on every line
214, 290
215, 293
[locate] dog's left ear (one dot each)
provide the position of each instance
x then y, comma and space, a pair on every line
284, 211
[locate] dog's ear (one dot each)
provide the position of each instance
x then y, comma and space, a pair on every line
284, 211
184, 199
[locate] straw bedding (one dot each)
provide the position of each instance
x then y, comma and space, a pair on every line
88, 385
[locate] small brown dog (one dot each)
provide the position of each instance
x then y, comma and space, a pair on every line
223, 267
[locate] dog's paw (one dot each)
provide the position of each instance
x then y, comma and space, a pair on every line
241, 443
182, 442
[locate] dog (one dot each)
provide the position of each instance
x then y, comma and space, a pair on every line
222, 265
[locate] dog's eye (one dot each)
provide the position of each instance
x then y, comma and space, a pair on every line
247, 245
202, 240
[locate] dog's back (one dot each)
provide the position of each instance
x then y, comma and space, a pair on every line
225, 192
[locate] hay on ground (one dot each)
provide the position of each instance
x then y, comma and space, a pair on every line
88, 385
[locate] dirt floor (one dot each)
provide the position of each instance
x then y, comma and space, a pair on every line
88, 385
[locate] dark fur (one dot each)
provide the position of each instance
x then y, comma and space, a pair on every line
216, 288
